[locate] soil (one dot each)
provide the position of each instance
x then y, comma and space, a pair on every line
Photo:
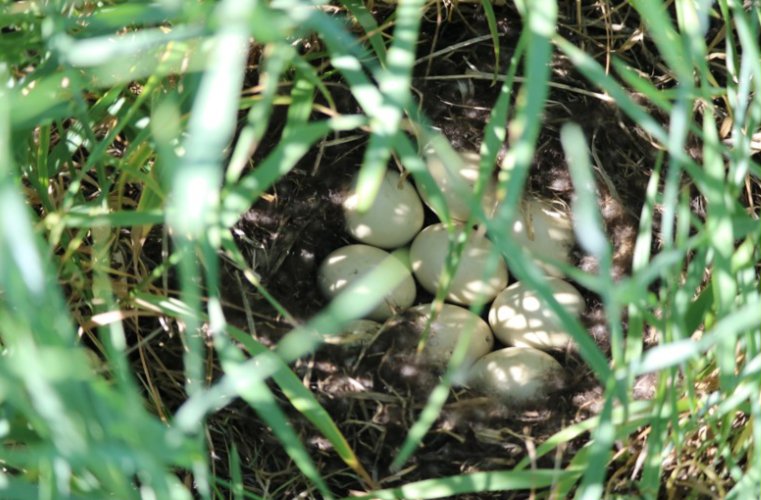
288, 232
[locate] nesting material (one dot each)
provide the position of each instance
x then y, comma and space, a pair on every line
456, 183
357, 332
452, 323
428, 255
517, 376
345, 266
519, 318
546, 232
394, 218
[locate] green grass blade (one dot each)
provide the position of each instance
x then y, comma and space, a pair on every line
280, 161
494, 136
588, 227
670, 43
304, 401
478, 482
740, 321
258, 395
599, 451
301, 398
394, 82
491, 21
595, 73
359, 11
278, 57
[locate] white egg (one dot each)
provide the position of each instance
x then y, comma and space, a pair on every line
450, 324
517, 376
519, 318
428, 255
394, 218
546, 232
456, 183
348, 264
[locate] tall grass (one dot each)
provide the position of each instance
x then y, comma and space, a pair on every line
98, 98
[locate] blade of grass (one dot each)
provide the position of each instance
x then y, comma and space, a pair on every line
740, 321
478, 482
494, 136
259, 396
277, 58
234, 253
640, 260
671, 44
491, 21
365, 19
282, 159
196, 178
304, 401
394, 82
596, 73
523, 130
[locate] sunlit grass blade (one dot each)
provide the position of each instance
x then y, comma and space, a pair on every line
739, 322
304, 401
279, 162
478, 482
595, 73
258, 395
302, 99
491, 20
359, 11
436, 400
196, 177
301, 398
113, 17
353, 302
640, 259
495, 131
494, 136
669, 41
277, 58
588, 227
236, 256
394, 82
523, 132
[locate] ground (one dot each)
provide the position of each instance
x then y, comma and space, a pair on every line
298, 222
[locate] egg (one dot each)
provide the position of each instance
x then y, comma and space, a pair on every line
517, 376
456, 183
519, 318
428, 255
546, 232
450, 324
345, 266
394, 218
